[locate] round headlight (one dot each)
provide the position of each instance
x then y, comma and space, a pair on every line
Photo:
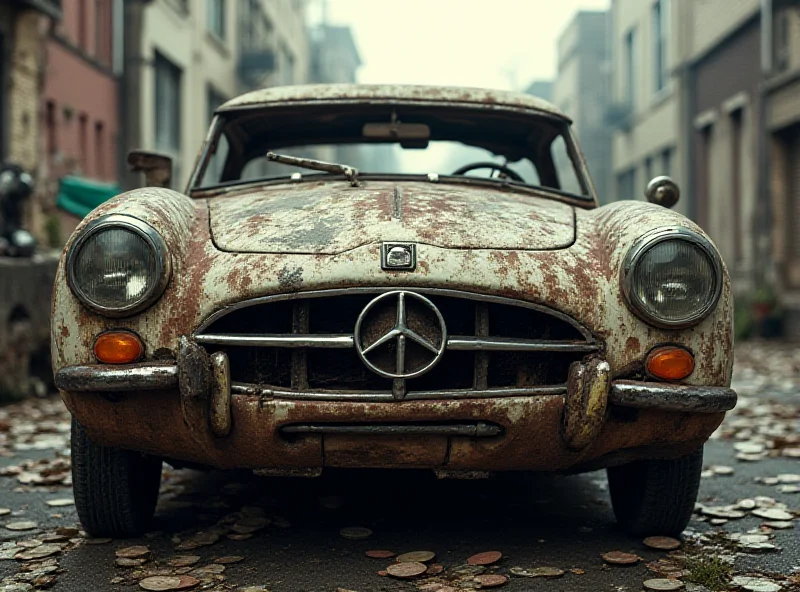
118, 266
672, 278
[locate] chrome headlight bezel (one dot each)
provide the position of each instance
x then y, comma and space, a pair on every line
641, 246
153, 239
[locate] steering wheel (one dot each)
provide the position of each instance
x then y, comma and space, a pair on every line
513, 175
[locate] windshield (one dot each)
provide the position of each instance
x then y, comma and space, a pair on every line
524, 150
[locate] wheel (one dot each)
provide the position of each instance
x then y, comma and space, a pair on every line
115, 490
655, 497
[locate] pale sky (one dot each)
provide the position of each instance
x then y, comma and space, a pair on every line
502, 44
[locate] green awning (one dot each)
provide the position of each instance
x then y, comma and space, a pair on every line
79, 196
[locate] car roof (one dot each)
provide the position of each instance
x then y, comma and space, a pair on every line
401, 93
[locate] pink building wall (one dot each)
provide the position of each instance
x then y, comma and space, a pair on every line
80, 117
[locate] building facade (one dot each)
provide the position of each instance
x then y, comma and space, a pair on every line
184, 58
23, 38
80, 109
782, 145
724, 125
542, 89
648, 96
582, 90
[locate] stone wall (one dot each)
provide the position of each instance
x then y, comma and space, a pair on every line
25, 294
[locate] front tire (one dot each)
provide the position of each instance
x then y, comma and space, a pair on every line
656, 497
115, 490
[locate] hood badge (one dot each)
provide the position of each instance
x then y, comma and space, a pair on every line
398, 256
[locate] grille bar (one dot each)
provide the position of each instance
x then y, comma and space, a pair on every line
456, 342
387, 396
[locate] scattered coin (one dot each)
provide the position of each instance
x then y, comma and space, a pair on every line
184, 560
491, 580
133, 552
160, 583
239, 537
537, 572
408, 569
788, 478
22, 525
746, 504
210, 569
779, 524
620, 558
752, 584
97, 541
57, 503
768, 514
722, 470
229, 559
4, 511
722, 512
383, 573
468, 570
67, 531
416, 557
29, 544
577, 572
789, 489
128, 562
355, 532
39, 552
380, 554
663, 584
485, 558
662, 543
749, 447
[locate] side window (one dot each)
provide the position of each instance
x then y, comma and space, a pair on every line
567, 176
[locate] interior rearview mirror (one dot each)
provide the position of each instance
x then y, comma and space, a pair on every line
409, 135
157, 167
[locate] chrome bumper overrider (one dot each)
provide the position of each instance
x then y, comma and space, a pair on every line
164, 376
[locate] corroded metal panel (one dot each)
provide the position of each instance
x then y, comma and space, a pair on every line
444, 95
330, 218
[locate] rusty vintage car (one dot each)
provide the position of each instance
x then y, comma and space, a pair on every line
288, 313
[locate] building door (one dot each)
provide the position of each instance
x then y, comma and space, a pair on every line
793, 184
3, 97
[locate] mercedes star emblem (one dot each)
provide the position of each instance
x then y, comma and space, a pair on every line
396, 339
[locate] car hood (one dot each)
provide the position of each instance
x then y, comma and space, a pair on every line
329, 218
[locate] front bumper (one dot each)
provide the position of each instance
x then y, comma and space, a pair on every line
191, 411
623, 393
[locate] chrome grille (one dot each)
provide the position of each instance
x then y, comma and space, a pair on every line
303, 346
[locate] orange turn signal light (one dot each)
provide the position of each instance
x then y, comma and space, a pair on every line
118, 347
670, 363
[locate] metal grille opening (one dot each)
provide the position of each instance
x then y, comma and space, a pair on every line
305, 345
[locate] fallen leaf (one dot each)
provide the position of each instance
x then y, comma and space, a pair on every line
22, 525
136, 552
662, 543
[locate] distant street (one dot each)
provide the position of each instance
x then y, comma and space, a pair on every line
239, 532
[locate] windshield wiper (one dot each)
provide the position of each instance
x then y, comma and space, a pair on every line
349, 172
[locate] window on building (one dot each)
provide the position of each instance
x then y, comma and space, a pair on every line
648, 168
83, 25
629, 90
99, 150
168, 107
781, 43
666, 162
216, 17
102, 43
736, 180
50, 125
83, 139
287, 66
626, 184
660, 44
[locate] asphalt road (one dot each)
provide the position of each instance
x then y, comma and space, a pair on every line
534, 520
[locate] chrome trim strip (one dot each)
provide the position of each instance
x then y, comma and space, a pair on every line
456, 342
480, 429
672, 397
387, 396
153, 239
380, 289
641, 246
277, 340
107, 378
466, 343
